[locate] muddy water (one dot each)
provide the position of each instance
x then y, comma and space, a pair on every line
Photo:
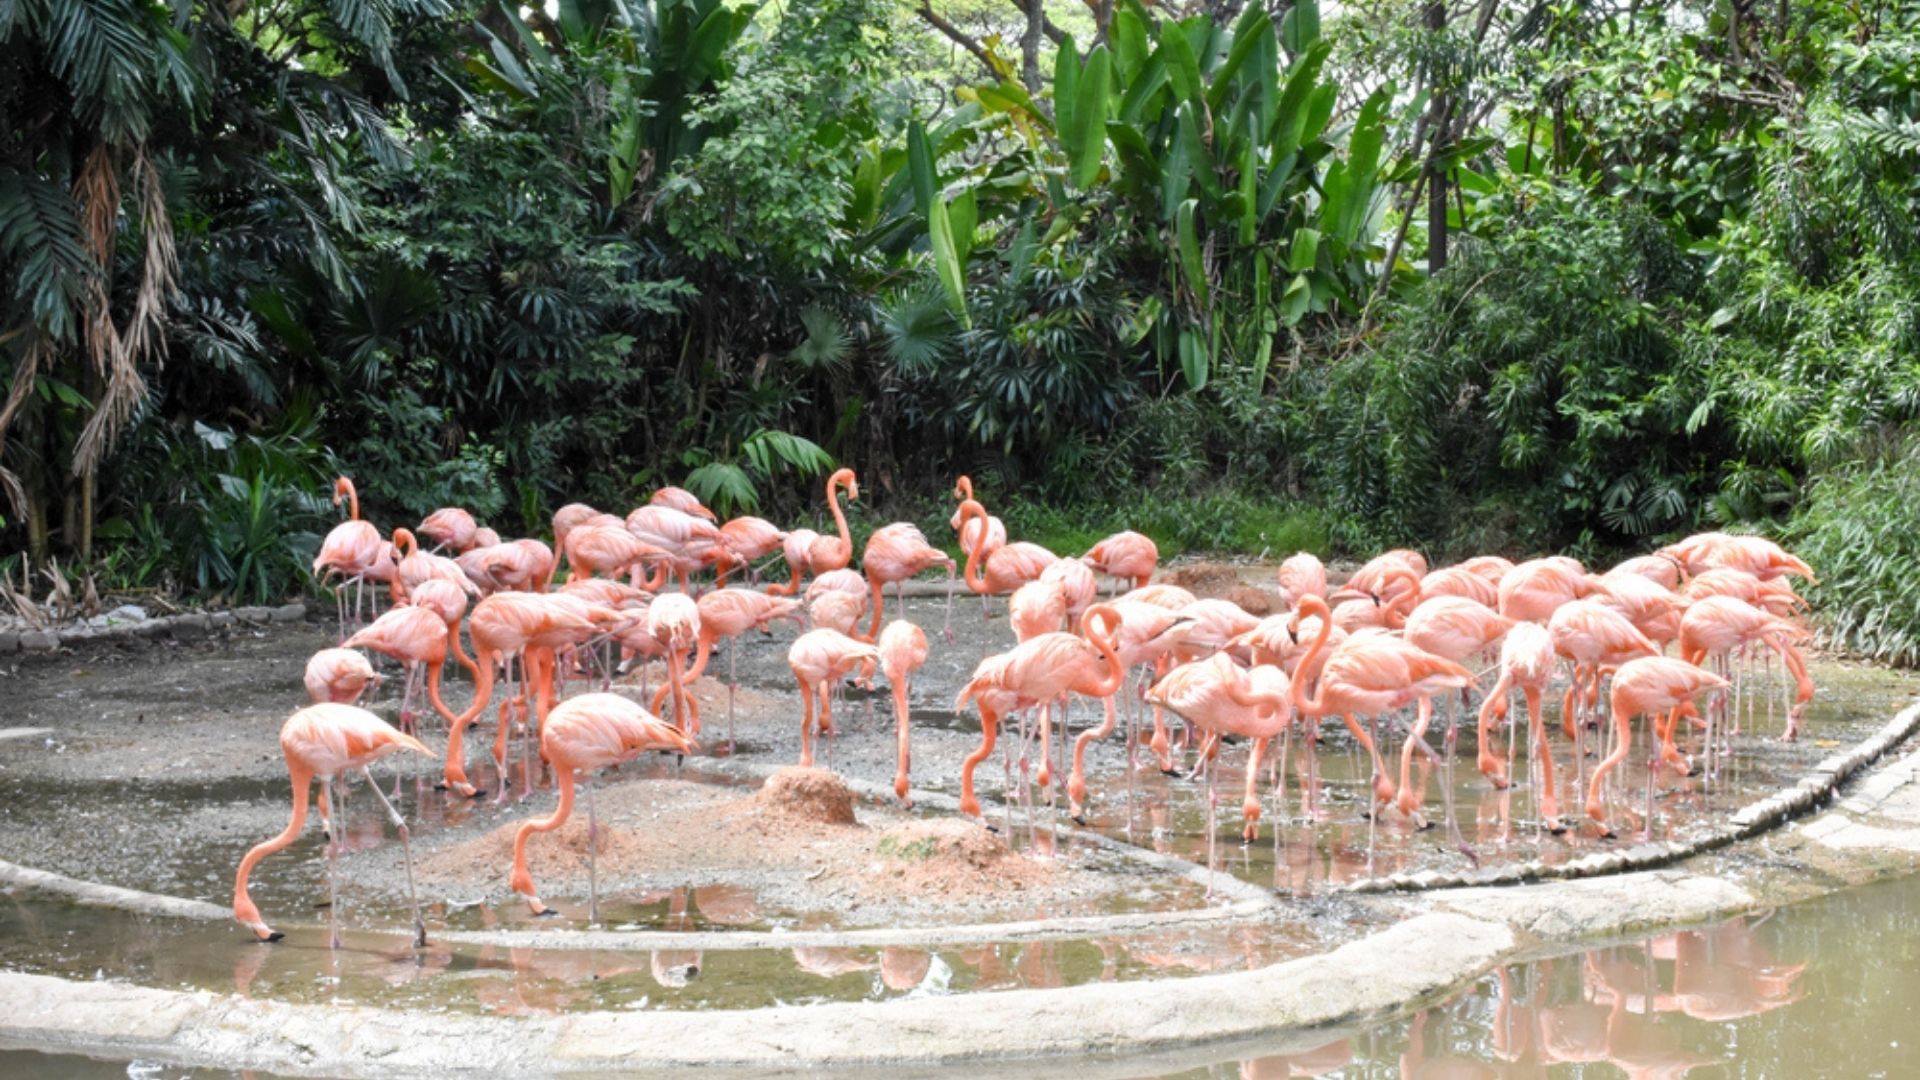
41, 936
1797, 992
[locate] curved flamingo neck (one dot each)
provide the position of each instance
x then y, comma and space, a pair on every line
302, 778
343, 487
839, 518
963, 488
1297, 691
404, 543
1102, 635
973, 511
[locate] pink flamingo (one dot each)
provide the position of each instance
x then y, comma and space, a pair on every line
1592, 636
326, 741
1717, 625
1076, 582
1222, 698
893, 554
1302, 575
1037, 671
586, 734
417, 637
1146, 634
729, 613
817, 658
903, 649
1456, 581
1127, 555
338, 675
1007, 567
747, 541
594, 550
1648, 684
1527, 660
674, 621
354, 550
449, 527
1532, 591
682, 500
809, 553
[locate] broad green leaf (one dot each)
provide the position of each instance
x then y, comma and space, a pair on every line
946, 260
1191, 264
1183, 68
1254, 27
1128, 32
1300, 29
1290, 117
1089, 122
962, 213
1296, 301
1066, 94
1199, 158
920, 167
1174, 175
1143, 89
1306, 249
1194, 362
1249, 185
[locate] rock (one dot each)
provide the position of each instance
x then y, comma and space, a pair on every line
80, 635
808, 794
190, 627
289, 613
152, 628
254, 614
9, 641
220, 620
39, 641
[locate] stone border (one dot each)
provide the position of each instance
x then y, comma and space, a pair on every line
1814, 789
189, 626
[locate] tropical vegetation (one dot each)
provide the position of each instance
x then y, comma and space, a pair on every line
1482, 274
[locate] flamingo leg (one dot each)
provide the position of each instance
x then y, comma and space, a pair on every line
593, 850
1250, 802
406, 849
334, 840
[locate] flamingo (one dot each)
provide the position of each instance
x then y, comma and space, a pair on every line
353, 549
1457, 581
593, 550
567, 518
1126, 555
1037, 671
1302, 575
728, 613
691, 542
834, 610
586, 734
893, 554
1222, 698
415, 636
817, 658
1387, 600
1492, 567
1172, 597
1715, 626
1145, 635
1008, 566
1592, 636
322, 742
449, 527
1659, 569
1653, 609
416, 566
338, 675
808, 552
1455, 628
747, 540
674, 621
682, 500
903, 649
1531, 591
1527, 660
1076, 582
986, 533
1648, 684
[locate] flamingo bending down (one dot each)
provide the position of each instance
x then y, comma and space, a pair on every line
1036, 672
585, 734
1592, 636
1146, 634
674, 621
808, 552
417, 637
448, 601
893, 554
1527, 660
682, 500
1715, 626
1126, 555
729, 613
1651, 685
817, 658
1532, 591
903, 648
1456, 581
1222, 698
323, 742
748, 540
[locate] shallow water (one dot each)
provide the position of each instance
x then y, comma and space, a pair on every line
1797, 992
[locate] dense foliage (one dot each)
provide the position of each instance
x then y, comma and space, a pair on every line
1493, 274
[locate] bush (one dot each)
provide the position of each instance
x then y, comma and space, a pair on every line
1859, 528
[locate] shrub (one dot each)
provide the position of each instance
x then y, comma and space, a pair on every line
1859, 528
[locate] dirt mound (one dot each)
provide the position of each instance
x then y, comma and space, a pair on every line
808, 794
949, 857
1252, 600
1206, 580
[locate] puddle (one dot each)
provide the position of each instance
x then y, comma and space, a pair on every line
48, 937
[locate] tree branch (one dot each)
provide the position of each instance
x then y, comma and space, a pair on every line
958, 37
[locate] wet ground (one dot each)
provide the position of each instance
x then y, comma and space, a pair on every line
161, 768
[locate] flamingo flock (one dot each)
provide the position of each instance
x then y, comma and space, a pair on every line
1396, 636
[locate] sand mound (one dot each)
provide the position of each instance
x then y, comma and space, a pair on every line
808, 794
950, 857
1219, 581
1252, 600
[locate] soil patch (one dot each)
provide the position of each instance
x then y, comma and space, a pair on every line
1222, 581
808, 794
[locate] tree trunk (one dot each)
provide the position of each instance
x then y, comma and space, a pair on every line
1436, 21
1030, 45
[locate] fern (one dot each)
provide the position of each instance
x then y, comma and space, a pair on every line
41, 239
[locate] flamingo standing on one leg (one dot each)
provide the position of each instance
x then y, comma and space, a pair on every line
893, 554
817, 658
1650, 685
323, 742
808, 552
903, 648
585, 734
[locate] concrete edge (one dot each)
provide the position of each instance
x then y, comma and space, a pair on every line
94, 894
202, 1028
186, 626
